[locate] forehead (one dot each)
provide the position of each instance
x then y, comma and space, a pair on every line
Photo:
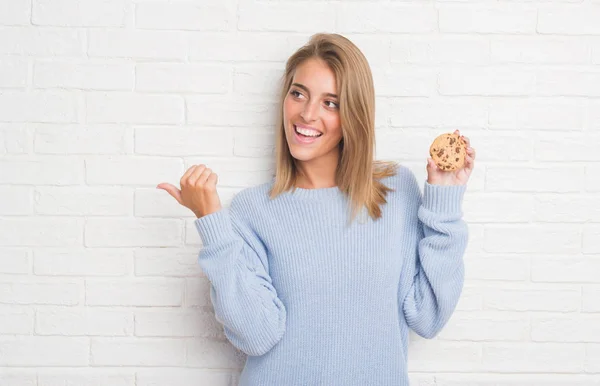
316, 75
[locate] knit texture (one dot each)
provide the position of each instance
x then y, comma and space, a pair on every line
314, 300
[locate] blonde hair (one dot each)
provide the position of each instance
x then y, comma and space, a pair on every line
357, 173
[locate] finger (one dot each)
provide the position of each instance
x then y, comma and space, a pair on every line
457, 132
172, 190
466, 140
430, 164
186, 175
193, 178
212, 180
469, 162
204, 176
471, 152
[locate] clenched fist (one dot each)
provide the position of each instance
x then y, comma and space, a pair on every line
198, 190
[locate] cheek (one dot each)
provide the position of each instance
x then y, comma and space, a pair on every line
289, 107
286, 107
333, 124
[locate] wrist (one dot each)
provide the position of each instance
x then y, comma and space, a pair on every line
443, 183
443, 198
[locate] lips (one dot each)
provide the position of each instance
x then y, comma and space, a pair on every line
307, 128
304, 140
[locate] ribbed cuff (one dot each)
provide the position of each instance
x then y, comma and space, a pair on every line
443, 198
214, 227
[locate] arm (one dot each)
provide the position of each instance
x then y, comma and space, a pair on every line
434, 276
235, 262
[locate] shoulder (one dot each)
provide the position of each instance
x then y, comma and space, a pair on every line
404, 179
248, 211
406, 192
250, 201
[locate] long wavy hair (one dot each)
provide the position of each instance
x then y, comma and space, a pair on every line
357, 173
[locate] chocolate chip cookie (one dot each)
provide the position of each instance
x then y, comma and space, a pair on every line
448, 151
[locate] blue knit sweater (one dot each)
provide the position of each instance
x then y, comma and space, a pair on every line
314, 301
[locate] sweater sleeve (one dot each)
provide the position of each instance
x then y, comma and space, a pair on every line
437, 239
235, 261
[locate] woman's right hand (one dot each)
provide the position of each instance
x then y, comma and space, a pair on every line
198, 190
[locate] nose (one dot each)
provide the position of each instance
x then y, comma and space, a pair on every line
310, 111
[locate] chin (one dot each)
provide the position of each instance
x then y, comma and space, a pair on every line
302, 154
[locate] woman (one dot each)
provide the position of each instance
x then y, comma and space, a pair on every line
311, 296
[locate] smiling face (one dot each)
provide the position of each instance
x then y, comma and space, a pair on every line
311, 115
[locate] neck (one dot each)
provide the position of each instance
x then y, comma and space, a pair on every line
318, 173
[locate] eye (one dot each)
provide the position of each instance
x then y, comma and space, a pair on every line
295, 93
335, 105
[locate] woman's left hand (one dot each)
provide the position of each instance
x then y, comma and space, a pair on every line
436, 176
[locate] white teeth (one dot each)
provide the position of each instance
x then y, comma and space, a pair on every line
307, 132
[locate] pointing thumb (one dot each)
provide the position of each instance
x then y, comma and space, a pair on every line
172, 190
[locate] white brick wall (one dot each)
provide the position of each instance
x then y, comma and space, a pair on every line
100, 100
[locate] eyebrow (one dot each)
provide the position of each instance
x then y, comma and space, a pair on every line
303, 87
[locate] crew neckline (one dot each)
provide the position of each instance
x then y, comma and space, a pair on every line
315, 193
311, 193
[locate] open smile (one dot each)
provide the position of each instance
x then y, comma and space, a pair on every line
305, 136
